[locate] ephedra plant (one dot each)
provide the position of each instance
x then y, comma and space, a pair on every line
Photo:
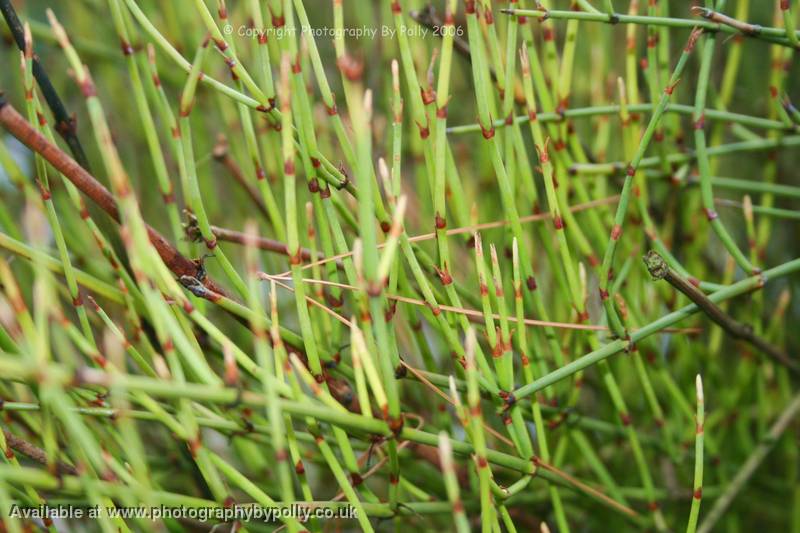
472, 265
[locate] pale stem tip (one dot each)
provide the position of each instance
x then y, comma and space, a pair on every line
699, 385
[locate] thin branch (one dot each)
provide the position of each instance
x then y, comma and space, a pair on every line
659, 269
714, 16
86, 183
538, 217
238, 237
472, 315
35, 453
64, 122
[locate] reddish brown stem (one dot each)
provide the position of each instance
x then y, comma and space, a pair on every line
32, 451
744, 27
88, 185
262, 243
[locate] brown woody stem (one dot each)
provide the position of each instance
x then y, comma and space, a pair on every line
262, 243
96, 191
35, 453
659, 269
